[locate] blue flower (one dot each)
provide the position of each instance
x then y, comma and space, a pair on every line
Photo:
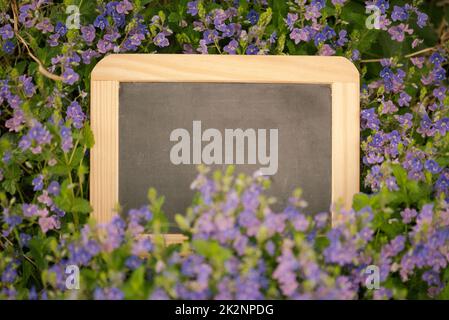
54, 188
6, 32
160, 40
319, 38
69, 76
108, 294
101, 22
60, 28
133, 262
192, 8
8, 47
432, 166
252, 49
399, 14
38, 183
231, 47
9, 275
252, 16
76, 114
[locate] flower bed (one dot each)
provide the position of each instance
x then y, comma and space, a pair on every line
238, 248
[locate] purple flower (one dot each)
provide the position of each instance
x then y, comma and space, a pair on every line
440, 93
388, 107
14, 101
290, 20
408, 215
418, 61
104, 46
304, 34
399, 14
29, 210
6, 32
53, 188
192, 7
370, 119
231, 47
321, 219
422, 19
28, 87
398, 32
88, 55
396, 245
123, 7
391, 184
210, 36
88, 33
36, 137
355, 55
53, 40
342, 39
15, 123
60, 28
285, 272
69, 76
9, 275
45, 26
133, 262
404, 99
442, 126
142, 247
203, 47
160, 40
78, 255
76, 114
437, 59
432, 166
38, 183
252, 16
108, 294
319, 38
101, 22
8, 47
326, 50
405, 120
252, 50
159, 294
66, 139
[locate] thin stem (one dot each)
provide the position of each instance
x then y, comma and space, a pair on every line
41, 68
406, 56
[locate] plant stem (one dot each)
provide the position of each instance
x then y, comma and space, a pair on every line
406, 56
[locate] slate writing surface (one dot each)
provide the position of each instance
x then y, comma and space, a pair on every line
148, 112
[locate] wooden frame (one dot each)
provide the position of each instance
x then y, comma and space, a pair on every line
338, 72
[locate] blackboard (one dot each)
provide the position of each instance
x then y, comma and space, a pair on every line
149, 112
144, 107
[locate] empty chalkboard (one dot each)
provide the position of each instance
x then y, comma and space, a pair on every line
155, 117
149, 112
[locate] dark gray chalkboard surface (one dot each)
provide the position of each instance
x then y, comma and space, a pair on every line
150, 111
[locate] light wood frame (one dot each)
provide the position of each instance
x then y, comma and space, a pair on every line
338, 72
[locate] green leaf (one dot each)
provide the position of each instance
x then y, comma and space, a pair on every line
360, 201
37, 250
88, 136
174, 17
212, 250
135, 286
182, 222
81, 205
265, 18
400, 174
